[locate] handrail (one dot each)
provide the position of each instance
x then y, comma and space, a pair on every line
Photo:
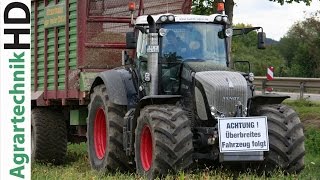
302, 84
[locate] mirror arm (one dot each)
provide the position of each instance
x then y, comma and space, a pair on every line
246, 30
140, 28
261, 29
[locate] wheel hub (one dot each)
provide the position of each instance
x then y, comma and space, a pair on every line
146, 148
100, 133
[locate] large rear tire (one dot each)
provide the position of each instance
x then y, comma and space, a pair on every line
104, 133
286, 139
48, 136
163, 141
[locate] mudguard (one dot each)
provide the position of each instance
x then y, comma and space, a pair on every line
120, 87
265, 99
155, 99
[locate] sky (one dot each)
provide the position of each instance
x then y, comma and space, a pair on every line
275, 19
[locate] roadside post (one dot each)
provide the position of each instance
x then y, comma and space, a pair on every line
270, 71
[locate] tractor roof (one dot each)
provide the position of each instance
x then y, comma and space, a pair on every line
142, 20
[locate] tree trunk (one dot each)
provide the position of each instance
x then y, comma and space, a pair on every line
229, 4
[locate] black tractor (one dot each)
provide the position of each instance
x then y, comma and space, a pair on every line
178, 101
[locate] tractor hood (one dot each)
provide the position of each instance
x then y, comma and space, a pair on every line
222, 90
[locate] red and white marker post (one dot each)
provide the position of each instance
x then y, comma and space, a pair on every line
270, 71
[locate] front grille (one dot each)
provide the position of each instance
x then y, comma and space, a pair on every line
224, 90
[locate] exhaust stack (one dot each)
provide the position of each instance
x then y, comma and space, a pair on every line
153, 50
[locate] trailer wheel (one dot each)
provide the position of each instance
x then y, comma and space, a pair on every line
48, 136
104, 133
286, 139
163, 141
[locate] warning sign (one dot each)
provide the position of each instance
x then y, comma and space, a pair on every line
238, 134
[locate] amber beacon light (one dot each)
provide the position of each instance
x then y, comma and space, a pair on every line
220, 7
132, 6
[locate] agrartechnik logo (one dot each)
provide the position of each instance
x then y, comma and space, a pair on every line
15, 77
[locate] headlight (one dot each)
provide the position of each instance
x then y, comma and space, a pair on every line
162, 32
228, 32
171, 18
218, 18
251, 77
213, 111
163, 18
225, 19
166, 18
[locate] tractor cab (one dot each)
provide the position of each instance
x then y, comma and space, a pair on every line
181, 39
186, 38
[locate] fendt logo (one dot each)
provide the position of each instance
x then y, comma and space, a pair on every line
229, 98
230, 84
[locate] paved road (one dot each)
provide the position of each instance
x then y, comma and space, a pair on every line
296, 96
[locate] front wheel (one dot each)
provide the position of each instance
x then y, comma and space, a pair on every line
104, 133
286, 138
163, 141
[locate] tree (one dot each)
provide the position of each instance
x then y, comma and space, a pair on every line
209, 6
301, 48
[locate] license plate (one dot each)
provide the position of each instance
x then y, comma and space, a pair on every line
239, 134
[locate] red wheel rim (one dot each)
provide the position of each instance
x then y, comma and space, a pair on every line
100, 133
146, 148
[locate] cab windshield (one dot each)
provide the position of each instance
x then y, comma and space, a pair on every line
193, 42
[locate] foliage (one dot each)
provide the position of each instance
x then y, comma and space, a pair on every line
203, 7
307, 2
301, 48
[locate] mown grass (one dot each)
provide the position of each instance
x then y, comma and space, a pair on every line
309, 112
78, 167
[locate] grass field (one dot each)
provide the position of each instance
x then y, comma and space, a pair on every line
78, 167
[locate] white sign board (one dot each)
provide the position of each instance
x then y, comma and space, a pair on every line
239, 134
152, 49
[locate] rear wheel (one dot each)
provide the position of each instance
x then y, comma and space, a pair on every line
163, 141
104, 133
48, 135
286, 139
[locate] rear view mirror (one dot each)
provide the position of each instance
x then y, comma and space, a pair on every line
130, 40
261, 40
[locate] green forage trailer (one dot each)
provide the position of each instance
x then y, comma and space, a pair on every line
71, 42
